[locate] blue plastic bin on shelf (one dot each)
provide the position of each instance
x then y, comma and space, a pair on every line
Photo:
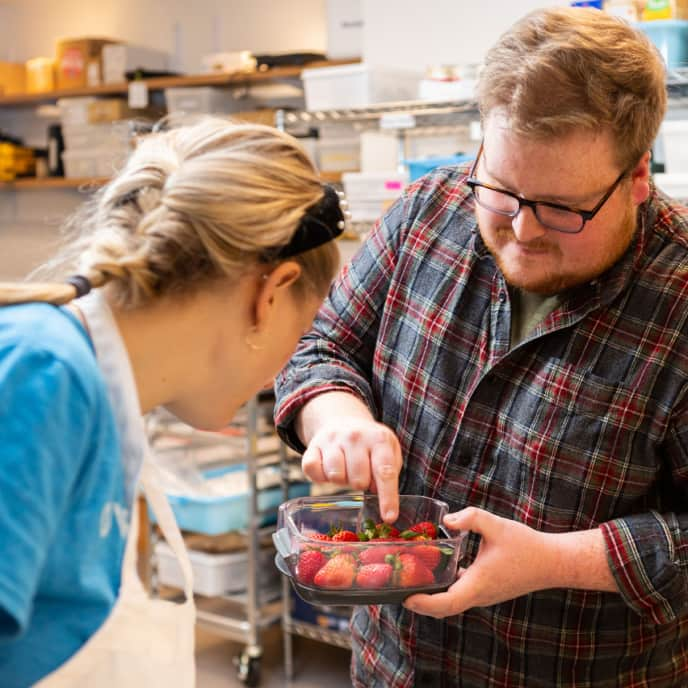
597, 4
420, 166
215, 515
671, 38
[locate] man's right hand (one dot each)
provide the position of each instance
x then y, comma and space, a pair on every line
346, 446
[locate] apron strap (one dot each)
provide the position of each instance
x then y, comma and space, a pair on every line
167, 523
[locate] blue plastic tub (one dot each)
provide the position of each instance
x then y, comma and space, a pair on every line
420, 166
671, 38
587, 3
215, 515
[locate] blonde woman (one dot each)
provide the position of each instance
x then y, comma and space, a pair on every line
197, 270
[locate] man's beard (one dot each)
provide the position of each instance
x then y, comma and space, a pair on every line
555, 283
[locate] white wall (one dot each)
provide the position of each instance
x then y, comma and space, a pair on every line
412, 35
186, 30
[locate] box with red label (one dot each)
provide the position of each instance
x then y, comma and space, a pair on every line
78, 61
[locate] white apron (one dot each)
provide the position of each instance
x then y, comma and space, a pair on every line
144, 642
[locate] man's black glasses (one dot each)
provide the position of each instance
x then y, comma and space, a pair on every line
554, 216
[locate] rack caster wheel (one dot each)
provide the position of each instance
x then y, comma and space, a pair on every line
248, 667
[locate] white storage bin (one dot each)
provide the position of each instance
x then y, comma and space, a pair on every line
98, 162
113, 135
357, 85
339, 155
674, 185
74, 111
379, 151
205, 100
369, 194
374, 185
216, 574
675, 139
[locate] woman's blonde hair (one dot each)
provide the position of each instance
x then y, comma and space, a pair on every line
562, 69
194, 204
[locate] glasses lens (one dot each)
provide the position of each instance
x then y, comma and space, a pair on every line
496, 201
558, 219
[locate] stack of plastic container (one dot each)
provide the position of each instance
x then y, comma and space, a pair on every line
91, 149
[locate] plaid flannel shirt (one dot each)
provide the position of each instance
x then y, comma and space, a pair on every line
582, 425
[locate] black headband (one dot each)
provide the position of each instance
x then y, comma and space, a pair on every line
321, 223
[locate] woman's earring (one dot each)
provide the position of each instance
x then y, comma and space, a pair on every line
250, 344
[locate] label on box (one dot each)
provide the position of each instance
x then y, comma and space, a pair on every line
72, 63
138, 94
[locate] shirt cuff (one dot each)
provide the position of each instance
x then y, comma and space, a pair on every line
646, 565
293, 395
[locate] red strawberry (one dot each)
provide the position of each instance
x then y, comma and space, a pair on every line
412, 572
385, 530
373, 576
309, 563
320, 536
377, 554
344, 536
339, 572
425, 530
428, 554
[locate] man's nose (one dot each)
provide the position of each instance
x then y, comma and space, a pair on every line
526, 226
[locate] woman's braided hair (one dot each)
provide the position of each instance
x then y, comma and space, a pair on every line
194, 204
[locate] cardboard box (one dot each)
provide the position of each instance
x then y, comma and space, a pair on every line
40, 75
12, 78
107, 110
78, 61
665, 9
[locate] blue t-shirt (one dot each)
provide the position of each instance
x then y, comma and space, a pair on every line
63, 515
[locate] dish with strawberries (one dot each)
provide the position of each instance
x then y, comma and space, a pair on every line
337, 550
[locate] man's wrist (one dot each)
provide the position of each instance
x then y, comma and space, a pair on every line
578, 560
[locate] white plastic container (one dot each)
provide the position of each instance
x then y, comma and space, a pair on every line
461, 89
379, 151
98, 162
369, 194
205, 100
675, 139
374, 185
339, 154
74, 111
674, 185
112, 135
216, 574
356, 85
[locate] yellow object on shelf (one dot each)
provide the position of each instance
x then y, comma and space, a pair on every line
40, 75
12, 78
15, 161
665, 9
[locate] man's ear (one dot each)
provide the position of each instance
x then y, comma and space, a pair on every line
271, 289
640, 180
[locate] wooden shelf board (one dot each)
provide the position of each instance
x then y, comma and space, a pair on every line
224, 79
54, 183
78, 183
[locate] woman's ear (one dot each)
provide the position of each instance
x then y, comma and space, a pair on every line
640, 180
272, 289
